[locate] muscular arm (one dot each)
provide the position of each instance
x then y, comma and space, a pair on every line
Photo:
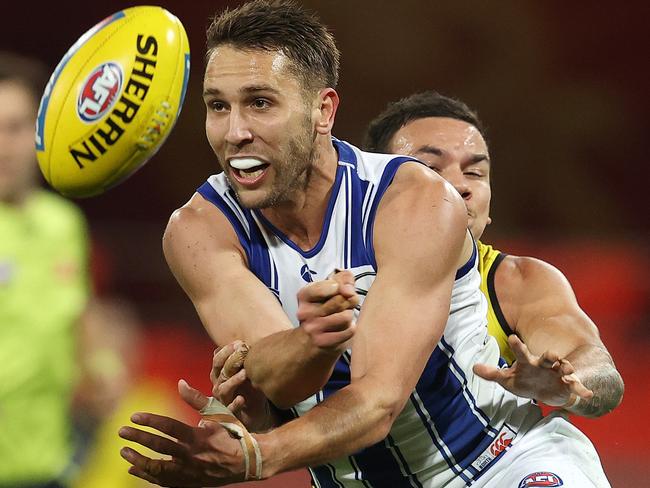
402, 320
204, 254
539, 303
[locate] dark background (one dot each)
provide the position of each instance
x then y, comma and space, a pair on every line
563, 88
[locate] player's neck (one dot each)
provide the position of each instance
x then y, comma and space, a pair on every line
301, 218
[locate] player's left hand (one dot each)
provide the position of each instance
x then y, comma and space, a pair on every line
546, 378
231, 386
206, 455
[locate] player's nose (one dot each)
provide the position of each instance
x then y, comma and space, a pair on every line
239, 130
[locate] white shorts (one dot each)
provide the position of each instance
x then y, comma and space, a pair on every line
553, 453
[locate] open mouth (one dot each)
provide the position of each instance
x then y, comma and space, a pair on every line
248, 169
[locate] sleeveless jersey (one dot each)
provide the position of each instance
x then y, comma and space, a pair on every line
455, 426
489, 260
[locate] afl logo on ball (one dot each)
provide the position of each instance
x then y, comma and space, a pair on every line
99, 92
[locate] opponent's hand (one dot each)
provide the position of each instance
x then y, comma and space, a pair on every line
326, 311
546, 378
206, 455
231, 386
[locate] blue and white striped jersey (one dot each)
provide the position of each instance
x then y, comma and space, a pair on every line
455, 425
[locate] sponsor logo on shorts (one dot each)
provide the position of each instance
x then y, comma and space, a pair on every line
541, 478
99, 92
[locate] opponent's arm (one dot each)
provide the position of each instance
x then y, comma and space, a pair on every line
204, 254
539, 303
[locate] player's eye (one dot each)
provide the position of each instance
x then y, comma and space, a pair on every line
217, 106
474, 174
261, 103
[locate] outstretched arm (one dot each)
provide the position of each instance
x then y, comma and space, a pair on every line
563, 361
204, 254
401, 322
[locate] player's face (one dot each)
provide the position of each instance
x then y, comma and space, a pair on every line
259, 124
457, 151
17, 153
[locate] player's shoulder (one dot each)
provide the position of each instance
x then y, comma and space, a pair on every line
414, 183
195, 221
528, 275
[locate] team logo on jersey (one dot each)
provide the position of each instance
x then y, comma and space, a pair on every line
99, 92
307, 273
541, 478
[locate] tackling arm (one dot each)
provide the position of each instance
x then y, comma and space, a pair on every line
540, 304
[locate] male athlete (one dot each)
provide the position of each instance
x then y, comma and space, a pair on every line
527, 298
396, 402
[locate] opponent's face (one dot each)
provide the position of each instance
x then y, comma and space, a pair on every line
259, 124
17, 153
457, 151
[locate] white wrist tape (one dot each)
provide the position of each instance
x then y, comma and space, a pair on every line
216, 411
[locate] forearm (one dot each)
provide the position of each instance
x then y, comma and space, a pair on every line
288, 368
595, 368
346, 422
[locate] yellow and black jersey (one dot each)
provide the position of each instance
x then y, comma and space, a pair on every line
489, 260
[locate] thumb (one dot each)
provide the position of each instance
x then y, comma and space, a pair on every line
193, 397
487, 372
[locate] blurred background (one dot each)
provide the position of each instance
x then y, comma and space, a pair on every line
563, 90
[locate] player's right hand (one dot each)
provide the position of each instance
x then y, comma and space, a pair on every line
326, 311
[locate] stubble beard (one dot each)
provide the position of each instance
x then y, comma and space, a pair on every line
294, 171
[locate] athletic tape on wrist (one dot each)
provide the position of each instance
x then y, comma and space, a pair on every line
216, 411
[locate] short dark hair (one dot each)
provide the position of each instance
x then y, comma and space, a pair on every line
273, 25
418, 106
30, 73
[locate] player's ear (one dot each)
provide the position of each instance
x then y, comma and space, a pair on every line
325, 108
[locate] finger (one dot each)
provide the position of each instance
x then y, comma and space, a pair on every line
565, 367
577, 387
156, 471
236, 405
221, 355
490, 373
141, 474
227, 390
520, 350
337, 303
193, 397
167, 425
235, 362
345, 279
333, 339
332, 323
550, 360
140, 464
318, 291
161, 445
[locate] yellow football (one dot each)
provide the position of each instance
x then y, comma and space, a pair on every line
112, 100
